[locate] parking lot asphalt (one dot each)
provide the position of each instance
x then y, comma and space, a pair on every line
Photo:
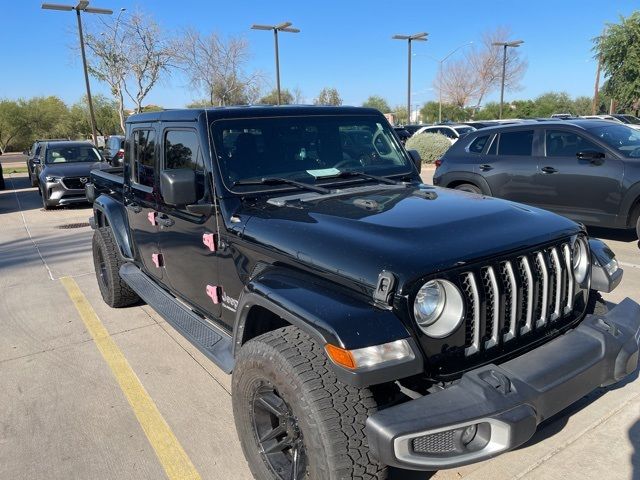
65, 413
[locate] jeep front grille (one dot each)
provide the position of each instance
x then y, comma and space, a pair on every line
515, 297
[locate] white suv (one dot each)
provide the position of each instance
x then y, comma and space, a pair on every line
452, 132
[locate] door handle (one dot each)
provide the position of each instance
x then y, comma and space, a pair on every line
485, 167
548, 170
134, 207
164, 221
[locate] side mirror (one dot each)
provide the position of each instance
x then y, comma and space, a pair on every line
417, 159
26, 152
590, 155
178, 187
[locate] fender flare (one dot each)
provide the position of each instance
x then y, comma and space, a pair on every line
110, 212
451, 177
328, 314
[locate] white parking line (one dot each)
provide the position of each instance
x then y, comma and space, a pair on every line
24, 222
632, 265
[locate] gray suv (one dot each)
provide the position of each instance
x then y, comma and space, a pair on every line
586, 170
62, 170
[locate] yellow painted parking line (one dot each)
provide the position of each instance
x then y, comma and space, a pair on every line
172, 456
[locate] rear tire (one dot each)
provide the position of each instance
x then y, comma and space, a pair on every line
468, 187
107, 262
324, 418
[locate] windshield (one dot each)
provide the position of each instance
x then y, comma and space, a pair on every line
306, 149
72, 153
625, 140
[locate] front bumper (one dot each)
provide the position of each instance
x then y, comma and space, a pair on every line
59, 194
507, 402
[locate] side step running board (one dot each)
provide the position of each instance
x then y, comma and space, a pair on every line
209, 339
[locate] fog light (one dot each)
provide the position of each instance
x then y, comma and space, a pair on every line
468, 434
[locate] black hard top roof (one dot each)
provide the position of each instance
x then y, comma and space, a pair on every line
217, 113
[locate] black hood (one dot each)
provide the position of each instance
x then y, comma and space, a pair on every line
73, 169
400, 229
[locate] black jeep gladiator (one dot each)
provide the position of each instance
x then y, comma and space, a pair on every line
370, 320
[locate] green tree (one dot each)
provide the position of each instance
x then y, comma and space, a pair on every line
582, 105
553, 102
328, 96
489, 111
13, 123
107, 118
619, 51
377, 102
271, 98
430, 112
400, 114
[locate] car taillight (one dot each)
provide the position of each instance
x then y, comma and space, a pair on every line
120, 154
438, 162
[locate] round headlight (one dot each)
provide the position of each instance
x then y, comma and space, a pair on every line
438, 308
580, 260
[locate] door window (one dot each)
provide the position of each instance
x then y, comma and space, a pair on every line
143, 158
518, 143
560, 143
182, 150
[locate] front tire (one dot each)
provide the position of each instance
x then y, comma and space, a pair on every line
43, 197
107, 262
294, 418
468, 187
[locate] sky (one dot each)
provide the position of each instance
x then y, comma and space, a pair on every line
343, 44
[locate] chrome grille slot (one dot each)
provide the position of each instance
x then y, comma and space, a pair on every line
511, 299
566, 251
543, 294
492, 296
559, 279
527, 295
473, 314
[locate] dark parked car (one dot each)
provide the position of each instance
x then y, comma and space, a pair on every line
368, 319
402, 133
113, 150
33, 153
587, 170
62, 170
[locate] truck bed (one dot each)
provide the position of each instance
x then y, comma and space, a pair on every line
109, 180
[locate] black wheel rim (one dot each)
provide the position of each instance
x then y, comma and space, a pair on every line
278, 435
102, 268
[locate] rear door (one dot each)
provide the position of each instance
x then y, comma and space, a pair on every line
189, 241
509, 167
140, 195
587, 190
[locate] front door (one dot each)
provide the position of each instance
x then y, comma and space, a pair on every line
189, 242
586, 190
140, 197
509, 166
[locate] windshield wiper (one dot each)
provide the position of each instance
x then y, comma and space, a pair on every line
282, 181
355, 173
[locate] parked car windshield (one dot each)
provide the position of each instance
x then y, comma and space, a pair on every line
625, 140
72, 153
306, 149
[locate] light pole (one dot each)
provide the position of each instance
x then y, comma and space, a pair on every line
82, 6
282, 27
418, 37
505, 45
